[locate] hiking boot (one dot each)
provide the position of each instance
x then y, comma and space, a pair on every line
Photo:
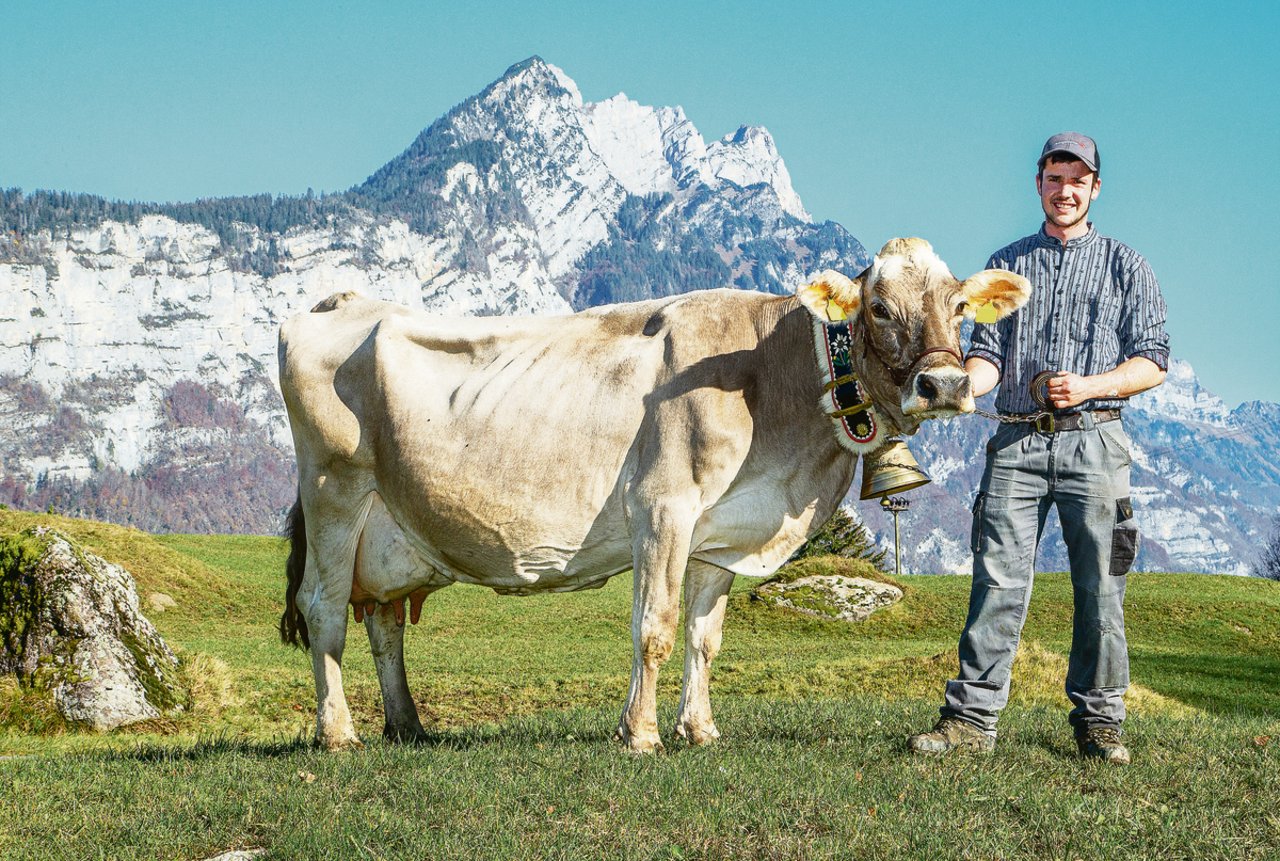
951, 733
1102, 741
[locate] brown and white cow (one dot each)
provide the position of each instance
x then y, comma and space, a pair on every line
683, 438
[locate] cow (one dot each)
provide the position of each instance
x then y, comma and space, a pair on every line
688, 439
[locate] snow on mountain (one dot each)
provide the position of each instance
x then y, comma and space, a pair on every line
657, 150
137, 353
1205, 485
748, 157
631, 139
1182, 397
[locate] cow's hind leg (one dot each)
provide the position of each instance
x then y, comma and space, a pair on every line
385, 562
661, 554
333, 521
706, 593
386, 641
323, 603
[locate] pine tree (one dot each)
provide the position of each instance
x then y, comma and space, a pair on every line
843, 535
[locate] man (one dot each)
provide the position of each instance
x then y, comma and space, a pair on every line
1096, 323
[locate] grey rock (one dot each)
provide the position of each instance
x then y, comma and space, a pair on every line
159, 602
72, 626
831, 596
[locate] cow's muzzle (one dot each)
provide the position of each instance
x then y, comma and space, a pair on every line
938, 392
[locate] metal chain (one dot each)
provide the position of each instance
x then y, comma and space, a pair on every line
1038, 383
1013, 418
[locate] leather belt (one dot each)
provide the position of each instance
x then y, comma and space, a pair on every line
1073, 421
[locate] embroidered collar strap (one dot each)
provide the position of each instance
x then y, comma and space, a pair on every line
844, 398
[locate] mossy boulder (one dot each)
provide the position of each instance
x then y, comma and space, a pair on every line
830, 588
71, 627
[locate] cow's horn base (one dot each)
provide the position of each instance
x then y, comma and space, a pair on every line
892, 468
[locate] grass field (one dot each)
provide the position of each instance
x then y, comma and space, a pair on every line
521, 696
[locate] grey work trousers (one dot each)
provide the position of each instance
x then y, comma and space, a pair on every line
1085, 473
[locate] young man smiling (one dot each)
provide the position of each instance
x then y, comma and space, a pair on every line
1092, 335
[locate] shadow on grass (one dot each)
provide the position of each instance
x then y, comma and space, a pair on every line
1217, 683
551, 727
879, 725
201, 749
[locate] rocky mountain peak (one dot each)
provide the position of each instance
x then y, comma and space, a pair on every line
646, 150
534, 73
749, 157
1182, 397
137, 341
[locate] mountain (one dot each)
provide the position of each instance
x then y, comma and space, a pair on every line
1205, 484
137, 340
596, 202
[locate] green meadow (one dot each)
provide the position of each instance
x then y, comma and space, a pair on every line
521, 696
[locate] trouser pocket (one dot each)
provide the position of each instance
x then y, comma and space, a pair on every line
975, 532
1124, 538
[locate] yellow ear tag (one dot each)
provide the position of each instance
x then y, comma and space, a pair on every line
835, 313
986, 313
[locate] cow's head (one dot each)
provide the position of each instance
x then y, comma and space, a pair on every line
907, 308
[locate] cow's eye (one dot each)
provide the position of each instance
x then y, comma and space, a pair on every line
879, 311
961, 306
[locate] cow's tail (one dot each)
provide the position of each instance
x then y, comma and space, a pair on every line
293, 627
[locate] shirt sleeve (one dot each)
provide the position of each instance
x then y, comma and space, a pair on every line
1142, 318
988, 339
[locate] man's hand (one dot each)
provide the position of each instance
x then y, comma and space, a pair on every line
1068, 390
1130, 377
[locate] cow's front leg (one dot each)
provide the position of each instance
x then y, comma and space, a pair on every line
386, 641
661, 554
706, 593
323, 603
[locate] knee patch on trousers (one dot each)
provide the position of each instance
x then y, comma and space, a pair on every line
1124, 538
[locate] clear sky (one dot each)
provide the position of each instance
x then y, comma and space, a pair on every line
894, 118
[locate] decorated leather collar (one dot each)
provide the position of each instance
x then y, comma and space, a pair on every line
844, 398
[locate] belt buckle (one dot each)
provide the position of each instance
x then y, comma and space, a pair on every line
1046, 424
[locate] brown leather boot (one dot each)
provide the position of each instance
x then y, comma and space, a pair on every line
1102, 741
951, 733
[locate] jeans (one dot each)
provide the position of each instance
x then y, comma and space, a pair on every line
1085, 473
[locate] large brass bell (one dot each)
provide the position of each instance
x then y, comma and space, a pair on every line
892, 468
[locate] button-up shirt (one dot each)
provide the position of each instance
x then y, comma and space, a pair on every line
1094, 303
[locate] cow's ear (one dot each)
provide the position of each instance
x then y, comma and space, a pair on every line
1004, 291
831, 297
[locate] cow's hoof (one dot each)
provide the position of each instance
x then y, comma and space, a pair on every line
696, 734
339, 742
404, 735
639, 742
645, 745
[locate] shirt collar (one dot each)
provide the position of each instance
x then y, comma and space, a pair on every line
1079, 242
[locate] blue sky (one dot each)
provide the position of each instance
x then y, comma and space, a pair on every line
894, 118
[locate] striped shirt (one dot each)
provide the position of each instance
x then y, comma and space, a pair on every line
1094, 303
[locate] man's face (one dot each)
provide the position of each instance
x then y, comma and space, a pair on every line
1066, 190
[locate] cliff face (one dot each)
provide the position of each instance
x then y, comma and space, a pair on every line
137, 354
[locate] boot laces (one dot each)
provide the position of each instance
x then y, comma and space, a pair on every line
1103, 735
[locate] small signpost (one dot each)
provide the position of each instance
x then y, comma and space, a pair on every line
895, 504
